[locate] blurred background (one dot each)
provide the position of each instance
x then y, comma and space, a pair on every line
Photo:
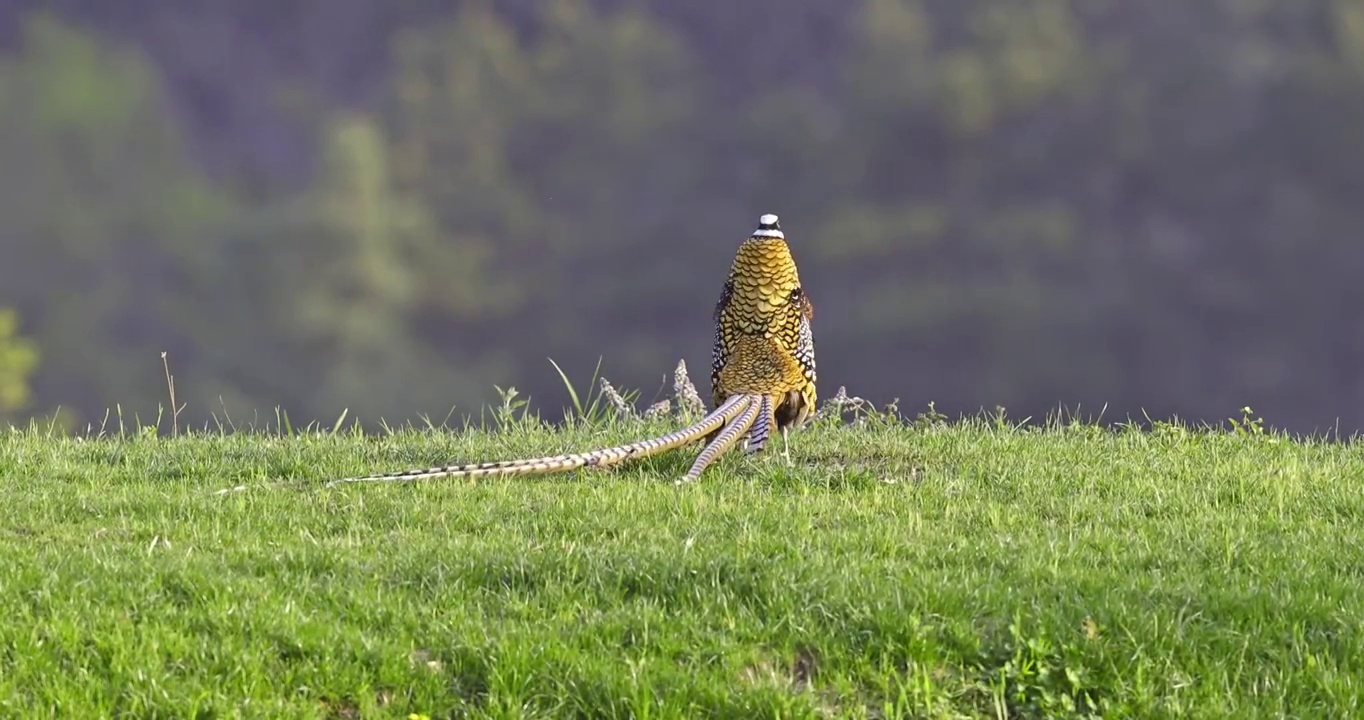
393, 205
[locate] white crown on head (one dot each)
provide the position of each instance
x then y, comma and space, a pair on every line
768, 226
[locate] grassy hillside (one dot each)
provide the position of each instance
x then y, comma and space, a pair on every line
929, 569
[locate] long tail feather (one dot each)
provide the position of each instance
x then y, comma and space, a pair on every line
762, 426
726, 439
601, 457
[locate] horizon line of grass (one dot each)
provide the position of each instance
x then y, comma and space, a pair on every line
604, 403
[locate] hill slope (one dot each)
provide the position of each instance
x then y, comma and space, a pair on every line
964, 569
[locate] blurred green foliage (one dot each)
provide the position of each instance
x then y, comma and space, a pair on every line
106, 221
18, 358
1017, 202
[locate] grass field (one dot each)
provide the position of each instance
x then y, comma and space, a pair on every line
923, 569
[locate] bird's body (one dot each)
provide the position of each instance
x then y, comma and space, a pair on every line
763, 342
762, 372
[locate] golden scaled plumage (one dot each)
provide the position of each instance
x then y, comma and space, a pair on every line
763, 373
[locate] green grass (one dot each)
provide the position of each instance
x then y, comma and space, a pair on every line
969, 569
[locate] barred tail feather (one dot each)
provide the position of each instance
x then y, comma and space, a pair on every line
741, 423
602, 457
762, 426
